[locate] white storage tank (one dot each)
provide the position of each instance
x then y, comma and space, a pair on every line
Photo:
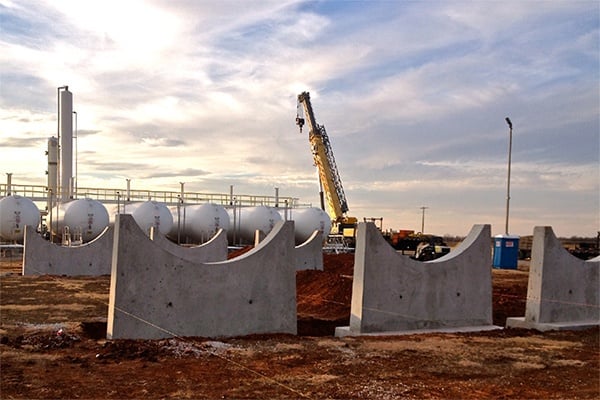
112, 213
114, 209
16, 212
199, 222
151, 214
251, 219
87, 216
308, 220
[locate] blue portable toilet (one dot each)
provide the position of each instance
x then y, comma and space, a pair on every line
506, 251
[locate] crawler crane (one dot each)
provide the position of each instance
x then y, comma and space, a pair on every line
333, 199
330, 184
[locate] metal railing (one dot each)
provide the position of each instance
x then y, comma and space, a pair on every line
39, 193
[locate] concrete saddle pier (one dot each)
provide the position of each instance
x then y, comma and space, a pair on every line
157, 294
393, 294
213, 250
563, 291
94, 258
42, 257
309, 255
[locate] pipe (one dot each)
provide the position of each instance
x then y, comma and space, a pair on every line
58, 119
75, 137
179, 201
8, 183
49, 225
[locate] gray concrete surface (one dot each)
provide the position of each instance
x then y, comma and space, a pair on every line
309, 255
213, 250
563, 291
41, 257
155, 294
94, 258
393, 293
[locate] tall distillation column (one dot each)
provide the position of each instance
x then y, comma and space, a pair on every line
66, 145
52, 171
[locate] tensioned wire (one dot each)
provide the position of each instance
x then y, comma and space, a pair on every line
313, 297
213, 353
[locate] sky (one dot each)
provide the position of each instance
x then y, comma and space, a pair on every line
413, 95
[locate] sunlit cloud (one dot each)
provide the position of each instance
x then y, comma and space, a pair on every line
413, 96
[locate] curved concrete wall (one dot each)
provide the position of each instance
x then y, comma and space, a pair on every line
213, 250
563, 291
95, 258
156, 294
309, 255
42, 257
392, 292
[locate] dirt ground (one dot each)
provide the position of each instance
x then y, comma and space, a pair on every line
52, 345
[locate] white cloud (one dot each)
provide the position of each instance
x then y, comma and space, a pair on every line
413, 96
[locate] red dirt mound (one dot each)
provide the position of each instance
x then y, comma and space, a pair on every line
323, 297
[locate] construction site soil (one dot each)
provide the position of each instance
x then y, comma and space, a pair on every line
52, 345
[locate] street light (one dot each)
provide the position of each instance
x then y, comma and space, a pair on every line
508, 180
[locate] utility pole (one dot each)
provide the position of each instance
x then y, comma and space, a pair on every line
423, 219
508, 180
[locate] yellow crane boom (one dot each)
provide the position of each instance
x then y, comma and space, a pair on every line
329, 178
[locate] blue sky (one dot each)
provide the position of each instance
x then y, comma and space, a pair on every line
413, 96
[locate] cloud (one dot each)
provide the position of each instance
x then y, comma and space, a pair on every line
22, 142
413, 98
87, 132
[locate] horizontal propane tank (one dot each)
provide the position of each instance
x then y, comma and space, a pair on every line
199, 222
308, 220
153, 214
146, 214
16, 212
87, 216
248, 220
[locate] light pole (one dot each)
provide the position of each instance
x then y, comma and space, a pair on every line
508, 180
423, 219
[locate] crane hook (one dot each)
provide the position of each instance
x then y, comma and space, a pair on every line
300, 122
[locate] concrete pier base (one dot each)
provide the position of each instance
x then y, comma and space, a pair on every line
213, 250
156, 294
42, 257
95, 258
309, 255
563, 291
343, 331
392, 293
521, 322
